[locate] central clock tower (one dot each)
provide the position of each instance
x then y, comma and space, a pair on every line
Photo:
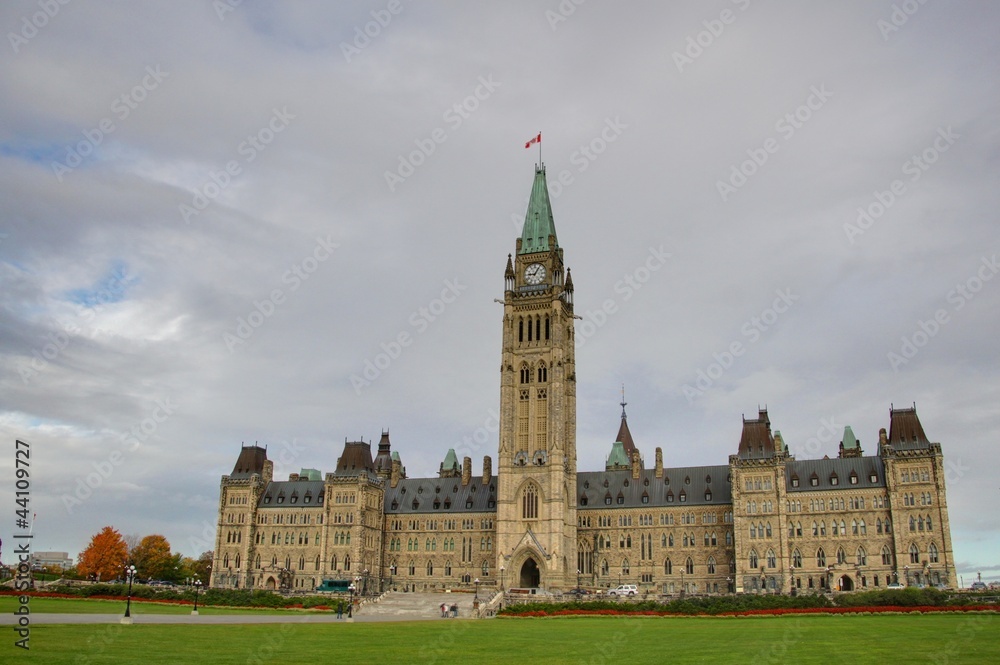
536, 511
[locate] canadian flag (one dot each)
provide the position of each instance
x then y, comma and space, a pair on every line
537, 139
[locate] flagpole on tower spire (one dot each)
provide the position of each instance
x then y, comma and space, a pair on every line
541, 164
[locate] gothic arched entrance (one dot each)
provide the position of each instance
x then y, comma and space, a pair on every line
846, 583
270, 584
530, 576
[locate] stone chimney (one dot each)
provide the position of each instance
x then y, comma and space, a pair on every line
466, 470
636, 465
883, 439
394, 475
487, 470
292, 477
268, 474
659, 462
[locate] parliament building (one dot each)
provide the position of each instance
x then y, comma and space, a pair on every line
762, 522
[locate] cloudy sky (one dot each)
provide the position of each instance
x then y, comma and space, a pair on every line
217, 223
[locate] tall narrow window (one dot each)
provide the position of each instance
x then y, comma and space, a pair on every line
520, 330
546, 328
529, 503
538, 328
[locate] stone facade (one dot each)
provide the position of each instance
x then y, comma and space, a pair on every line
763, 522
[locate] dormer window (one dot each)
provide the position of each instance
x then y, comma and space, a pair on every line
468, 504
795, 481
683, 496
621, 498
583, 499
834, 480
873, 478
670, 496
708, 495
395, 504
854, 478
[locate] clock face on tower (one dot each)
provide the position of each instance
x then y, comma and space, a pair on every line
534, 274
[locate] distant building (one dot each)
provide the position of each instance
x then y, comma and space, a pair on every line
765, 521
60, 560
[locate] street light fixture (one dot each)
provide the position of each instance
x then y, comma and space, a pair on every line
350, 607
197, 588
130, 574
578, 578
502, 569
477, 590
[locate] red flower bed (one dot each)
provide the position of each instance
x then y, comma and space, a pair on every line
877, 609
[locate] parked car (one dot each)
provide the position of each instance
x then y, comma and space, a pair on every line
579, 591
624, 590
978, 586
895, 585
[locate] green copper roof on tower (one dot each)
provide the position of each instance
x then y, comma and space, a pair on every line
850, 441
538, 222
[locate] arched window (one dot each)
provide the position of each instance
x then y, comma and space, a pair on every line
932, 553
820, 558
430, 568
529, 503
543, 373
771, 560
797, 559
914, 553
625, 567
711, 565
520, 331
668, 568
525, 373
689, 566
347, 562
753, 559
605, 569
841, 556
886, 556
862, 557
485, 568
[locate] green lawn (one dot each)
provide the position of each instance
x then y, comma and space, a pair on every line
43, 605
799, 639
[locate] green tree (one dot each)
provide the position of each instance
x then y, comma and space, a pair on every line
105, 556
152, 558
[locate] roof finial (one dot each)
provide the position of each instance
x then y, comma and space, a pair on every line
623, 402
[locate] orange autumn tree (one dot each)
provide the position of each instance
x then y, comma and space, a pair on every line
105, 556
152, 558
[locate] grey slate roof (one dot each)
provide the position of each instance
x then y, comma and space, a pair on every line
448, 494
692, 480
292, 494
825, 468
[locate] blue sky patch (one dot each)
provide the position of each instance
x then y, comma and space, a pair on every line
110, 288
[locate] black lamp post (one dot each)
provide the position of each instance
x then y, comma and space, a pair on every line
130, 574
502, 569
906, 571
197, 588
392, 571
792, 579
364, 583
729, 584
477, 590
350, 607
578, 579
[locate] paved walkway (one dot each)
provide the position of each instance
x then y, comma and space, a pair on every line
393, 607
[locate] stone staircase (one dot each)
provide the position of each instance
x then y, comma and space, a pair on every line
398, 606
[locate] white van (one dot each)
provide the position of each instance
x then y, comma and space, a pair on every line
624, 590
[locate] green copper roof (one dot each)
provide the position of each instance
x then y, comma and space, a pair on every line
311, 474
850, 441
450, 460
394, 455
538, 223
618, 457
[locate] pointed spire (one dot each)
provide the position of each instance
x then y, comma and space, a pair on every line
623, 402
624, 435
539, 226
569, 281
510, 268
